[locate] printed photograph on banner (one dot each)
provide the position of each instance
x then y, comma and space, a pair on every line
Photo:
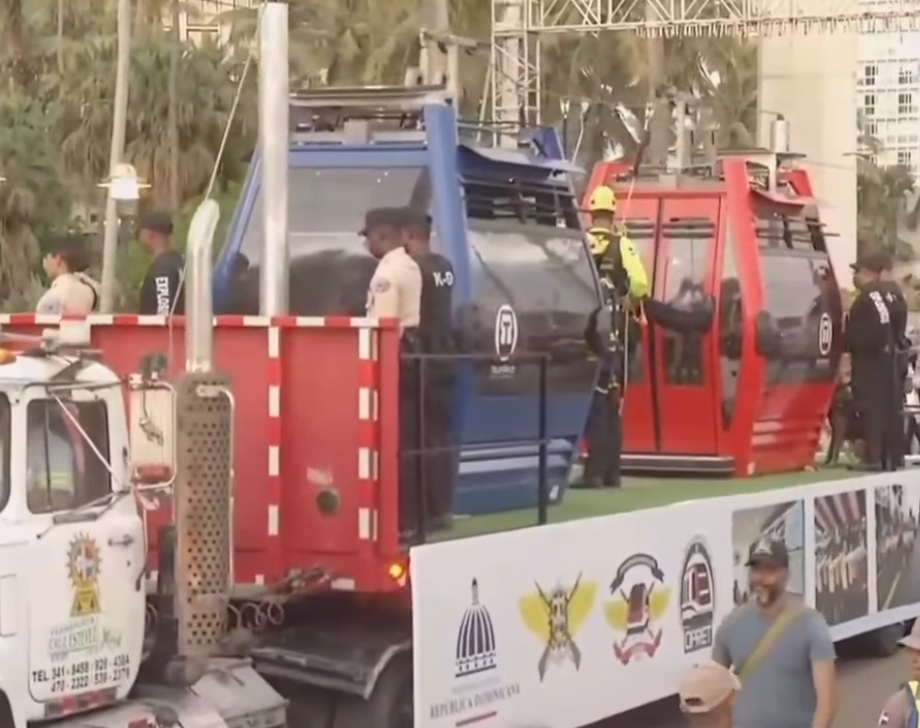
777, 522
841, 575
478, 687
897, 509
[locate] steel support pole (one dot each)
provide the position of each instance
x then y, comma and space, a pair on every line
117, 151
273, 141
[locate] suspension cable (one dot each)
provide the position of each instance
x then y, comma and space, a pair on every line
234, 108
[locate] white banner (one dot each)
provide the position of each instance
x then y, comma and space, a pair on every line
566, 624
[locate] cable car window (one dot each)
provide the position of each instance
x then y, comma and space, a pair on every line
547, 203
5, 433
63, 449
689, 249
545, 275
330, 268
731, 331
802, 304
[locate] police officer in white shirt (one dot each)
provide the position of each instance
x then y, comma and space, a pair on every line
395, 290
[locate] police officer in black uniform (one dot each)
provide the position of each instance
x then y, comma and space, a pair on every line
896, 440
872, 345
436, 338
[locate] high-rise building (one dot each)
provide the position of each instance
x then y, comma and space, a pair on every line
200, 19
889, 95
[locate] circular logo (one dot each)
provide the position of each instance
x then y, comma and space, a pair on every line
697, 597
506, 332
825, 334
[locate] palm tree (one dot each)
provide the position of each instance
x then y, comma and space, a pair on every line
882, 195
342, 42
33, 200
85, 117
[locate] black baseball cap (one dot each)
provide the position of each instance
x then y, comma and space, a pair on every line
768, 552
158, 222
391, 216
872, 262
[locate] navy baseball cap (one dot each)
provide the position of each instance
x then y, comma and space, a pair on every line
391, 216
872, 262
158, 222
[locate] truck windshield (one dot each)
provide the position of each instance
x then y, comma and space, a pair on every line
330, 268
62, 471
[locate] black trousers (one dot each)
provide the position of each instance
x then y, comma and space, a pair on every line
604, 432
428, 462
441, 453
881, 407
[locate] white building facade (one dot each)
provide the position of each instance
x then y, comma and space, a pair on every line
888, 84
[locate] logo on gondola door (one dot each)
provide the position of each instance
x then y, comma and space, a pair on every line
506, 339
825, 334
506, 333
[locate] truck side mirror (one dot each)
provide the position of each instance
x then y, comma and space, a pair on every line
151, 428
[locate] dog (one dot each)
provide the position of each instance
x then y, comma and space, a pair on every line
844, 422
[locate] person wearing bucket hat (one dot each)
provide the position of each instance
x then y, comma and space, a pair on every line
902, 707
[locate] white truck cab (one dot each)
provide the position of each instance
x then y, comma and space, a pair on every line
72, 546
73, 551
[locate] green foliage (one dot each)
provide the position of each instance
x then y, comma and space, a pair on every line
886, 202
56, 109
32, 196
226, 198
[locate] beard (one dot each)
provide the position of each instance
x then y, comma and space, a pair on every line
765, 594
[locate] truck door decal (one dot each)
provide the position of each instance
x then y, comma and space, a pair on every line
86, 612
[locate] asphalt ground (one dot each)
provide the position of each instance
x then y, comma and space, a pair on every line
864, 685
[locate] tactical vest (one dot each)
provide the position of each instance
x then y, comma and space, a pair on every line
610, 262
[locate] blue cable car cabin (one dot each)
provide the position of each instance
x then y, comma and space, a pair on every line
524, 281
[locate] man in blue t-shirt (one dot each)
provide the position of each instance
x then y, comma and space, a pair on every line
781, 650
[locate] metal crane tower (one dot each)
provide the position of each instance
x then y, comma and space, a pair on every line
518, 25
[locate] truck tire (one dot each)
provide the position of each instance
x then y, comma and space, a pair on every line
882, 642
308, 706
390, 705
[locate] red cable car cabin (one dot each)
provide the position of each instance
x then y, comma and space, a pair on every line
750, 396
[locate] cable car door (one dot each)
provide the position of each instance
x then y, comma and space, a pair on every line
639, 432
684, 363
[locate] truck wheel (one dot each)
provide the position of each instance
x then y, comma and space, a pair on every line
883, 642
308, 707
390, 705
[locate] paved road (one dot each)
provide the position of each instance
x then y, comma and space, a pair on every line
864, 686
